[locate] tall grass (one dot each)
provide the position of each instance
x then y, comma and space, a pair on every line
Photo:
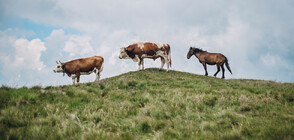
150, 104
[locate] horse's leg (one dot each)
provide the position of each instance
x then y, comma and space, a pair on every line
218, 69
204, 65
223, 69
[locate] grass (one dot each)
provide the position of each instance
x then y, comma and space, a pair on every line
150, 104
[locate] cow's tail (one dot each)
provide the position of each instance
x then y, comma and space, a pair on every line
101, 68
227, 65
169, 56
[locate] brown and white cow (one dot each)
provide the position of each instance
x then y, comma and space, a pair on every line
82, 66
138, 51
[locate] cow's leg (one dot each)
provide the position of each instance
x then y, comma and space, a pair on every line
167, 62
73, 78
97, 75
162, 63
139, 65
99, 72
142, 63
78, 77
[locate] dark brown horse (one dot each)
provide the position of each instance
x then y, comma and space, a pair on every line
205, 57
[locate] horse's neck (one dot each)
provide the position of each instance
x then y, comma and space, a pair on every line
198, 55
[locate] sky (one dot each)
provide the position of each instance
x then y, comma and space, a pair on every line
255, 36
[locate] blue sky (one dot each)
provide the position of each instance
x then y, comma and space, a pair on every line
256, 36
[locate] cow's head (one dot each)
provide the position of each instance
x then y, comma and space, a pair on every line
59, 68
123, 54
127, 54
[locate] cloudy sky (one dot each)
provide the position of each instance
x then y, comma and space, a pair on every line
256, 36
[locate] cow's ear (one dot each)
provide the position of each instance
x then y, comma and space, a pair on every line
125, 49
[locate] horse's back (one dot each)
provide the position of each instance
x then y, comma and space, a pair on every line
214, 58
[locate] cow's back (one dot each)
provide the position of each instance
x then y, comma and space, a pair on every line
150, 48
84, 64
143, 48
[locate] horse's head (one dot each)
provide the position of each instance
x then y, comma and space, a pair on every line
190, 53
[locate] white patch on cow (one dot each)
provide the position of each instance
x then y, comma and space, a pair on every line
58, 68
160, 53
140, 45
73, 76
123, 54
144, 56
136, 58
159, 45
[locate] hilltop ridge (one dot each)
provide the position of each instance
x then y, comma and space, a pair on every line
150, 104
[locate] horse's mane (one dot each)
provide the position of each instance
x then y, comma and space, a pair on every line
198, 50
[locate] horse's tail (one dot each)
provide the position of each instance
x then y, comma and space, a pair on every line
227, 65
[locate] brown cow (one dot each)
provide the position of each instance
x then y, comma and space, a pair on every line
82, 66
138, 51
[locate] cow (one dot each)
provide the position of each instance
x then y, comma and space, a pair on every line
82, 66
138, 51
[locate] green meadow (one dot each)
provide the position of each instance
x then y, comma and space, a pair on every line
150, 104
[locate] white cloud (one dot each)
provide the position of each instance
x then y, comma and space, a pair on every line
272, 61
23, 62
247, 32
78, 45
112, 58
27, 54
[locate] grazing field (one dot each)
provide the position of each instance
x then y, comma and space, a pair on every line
150, 104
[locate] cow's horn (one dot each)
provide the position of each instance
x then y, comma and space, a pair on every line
56, 62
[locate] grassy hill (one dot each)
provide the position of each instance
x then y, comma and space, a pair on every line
150, 104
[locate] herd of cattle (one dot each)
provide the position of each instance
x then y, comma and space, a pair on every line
137, 52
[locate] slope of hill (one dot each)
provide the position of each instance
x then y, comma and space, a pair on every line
150, 104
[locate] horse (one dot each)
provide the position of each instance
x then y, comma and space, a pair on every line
205, 57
